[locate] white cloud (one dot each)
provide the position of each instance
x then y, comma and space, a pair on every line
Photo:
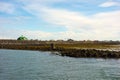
103, 25
37, 34
14, 21
109, 4
68, 19
6, 34
14, 34
6, 7
58, 35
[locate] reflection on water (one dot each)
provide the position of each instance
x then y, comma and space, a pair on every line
36, 65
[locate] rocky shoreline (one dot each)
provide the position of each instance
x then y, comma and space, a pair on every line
77, 53
77, 50
90, 53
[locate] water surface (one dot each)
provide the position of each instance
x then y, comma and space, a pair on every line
37, 65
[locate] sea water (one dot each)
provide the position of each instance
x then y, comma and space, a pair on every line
37, 65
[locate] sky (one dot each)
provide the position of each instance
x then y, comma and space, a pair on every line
60, 19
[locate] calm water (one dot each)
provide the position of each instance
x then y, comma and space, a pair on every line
36, 65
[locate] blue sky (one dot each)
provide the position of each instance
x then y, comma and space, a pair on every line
60, 19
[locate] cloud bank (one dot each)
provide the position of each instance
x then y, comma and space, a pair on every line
79, 26
109, 4
7, 7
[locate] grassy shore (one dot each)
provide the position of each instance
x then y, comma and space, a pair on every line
72, 49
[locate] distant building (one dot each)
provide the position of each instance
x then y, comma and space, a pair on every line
22, 38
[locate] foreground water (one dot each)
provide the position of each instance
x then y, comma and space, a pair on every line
36, 65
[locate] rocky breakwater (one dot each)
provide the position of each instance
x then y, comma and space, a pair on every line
90, 53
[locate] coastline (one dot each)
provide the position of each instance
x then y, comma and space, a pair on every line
71, 49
